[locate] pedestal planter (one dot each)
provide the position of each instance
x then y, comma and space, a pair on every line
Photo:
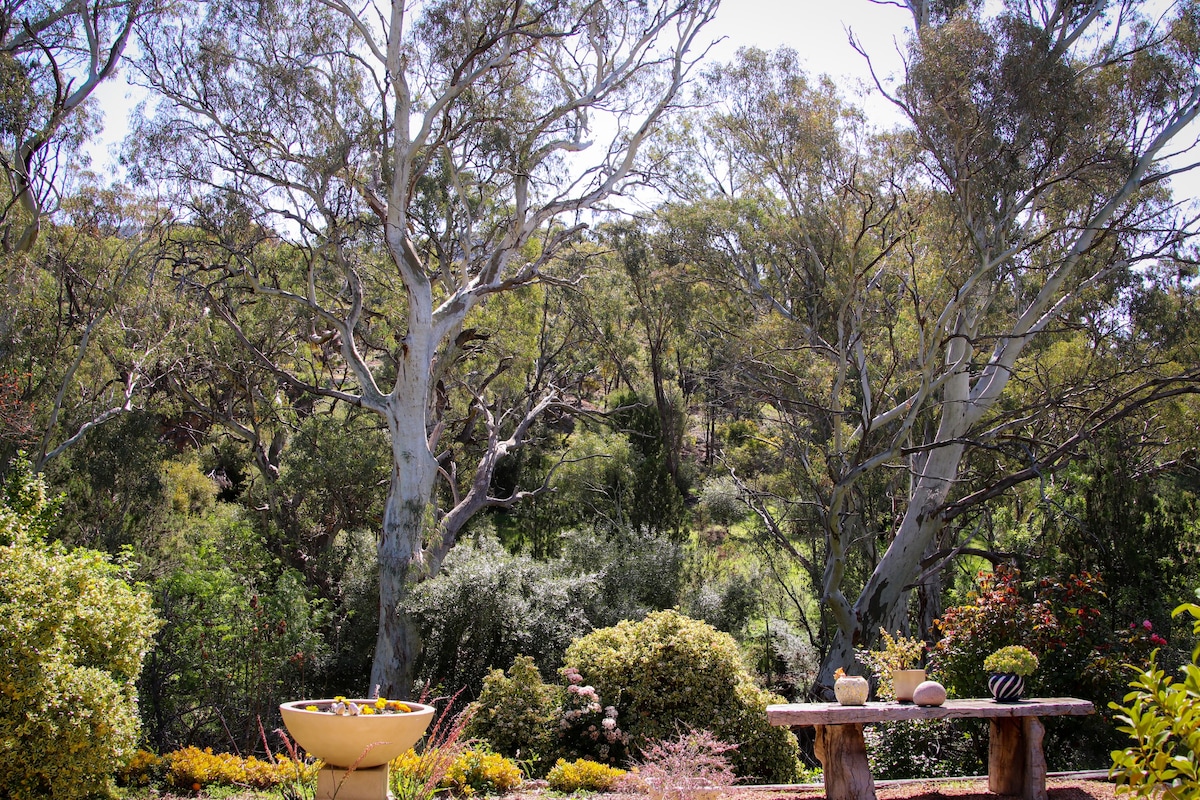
1006, 687
362, 741
356, 748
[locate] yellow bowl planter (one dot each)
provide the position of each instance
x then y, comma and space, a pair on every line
360, 741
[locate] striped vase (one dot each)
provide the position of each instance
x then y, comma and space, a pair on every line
1006, 687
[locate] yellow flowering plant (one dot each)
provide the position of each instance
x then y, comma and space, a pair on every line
353, 708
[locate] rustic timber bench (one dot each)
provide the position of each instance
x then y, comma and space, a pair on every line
1016, 764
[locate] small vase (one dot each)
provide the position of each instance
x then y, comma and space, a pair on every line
851, 690
1006, 687
905, 682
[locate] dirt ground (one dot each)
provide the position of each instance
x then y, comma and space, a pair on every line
954, 789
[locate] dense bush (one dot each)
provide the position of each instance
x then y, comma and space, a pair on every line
582, 775
73, 634
241, 635
636, 571
487, 606
1060, 621
518, 713
926, 748
668, 672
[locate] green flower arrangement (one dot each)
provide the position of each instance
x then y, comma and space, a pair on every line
1013, 660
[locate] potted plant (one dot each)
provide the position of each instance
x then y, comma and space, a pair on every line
897, 665
1008, 668
850, 690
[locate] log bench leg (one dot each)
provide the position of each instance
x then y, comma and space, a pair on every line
1016, 762
843, 754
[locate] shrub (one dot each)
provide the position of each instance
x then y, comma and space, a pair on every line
518, 713
692, 766
241, 634
1060, 622
195, 769
480, 771
73, 634
669, 671
1163, 719
583, 775
142, 769
487, 606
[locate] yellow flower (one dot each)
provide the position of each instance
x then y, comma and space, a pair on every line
396, 705
339, 699
310, 708
381, 703
367, 710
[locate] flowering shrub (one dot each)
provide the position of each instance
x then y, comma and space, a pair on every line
692, 766
480, 771
586, 725
583, 775
73, 635
195, 769
1060, 621
668, 671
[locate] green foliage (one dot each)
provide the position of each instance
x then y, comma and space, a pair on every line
113, 483
73, 635
242, 633
1162, 717
653, 501
925, 749
1013, 659
722, 502
1060, 622
517, 712
487, 606
636, 572
668, 671
583, 775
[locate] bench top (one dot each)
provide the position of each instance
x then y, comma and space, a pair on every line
835, 714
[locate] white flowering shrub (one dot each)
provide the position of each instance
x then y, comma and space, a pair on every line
73, 634
667, 673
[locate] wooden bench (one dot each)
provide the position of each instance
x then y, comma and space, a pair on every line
1016, 764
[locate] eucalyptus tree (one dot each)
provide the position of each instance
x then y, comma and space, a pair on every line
417, 159
53, 56
914, 271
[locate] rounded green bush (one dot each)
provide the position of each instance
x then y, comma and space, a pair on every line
669, 672
73, 634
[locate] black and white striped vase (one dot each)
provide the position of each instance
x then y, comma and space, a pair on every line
1006, 687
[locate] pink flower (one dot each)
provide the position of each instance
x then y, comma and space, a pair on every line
1147, 625
1155, 639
